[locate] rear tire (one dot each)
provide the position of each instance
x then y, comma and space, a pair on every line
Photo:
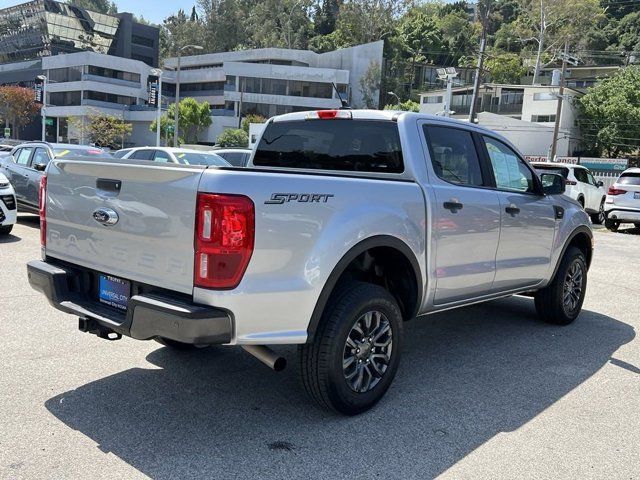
356, 351
637, 225
599, 218
561, 301
6, 230
612, 225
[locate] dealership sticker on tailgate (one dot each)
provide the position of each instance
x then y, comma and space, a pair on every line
114, 292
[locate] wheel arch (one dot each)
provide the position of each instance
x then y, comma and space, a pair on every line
582, 238
352, 255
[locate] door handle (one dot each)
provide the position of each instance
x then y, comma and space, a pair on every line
453, 205
512, 210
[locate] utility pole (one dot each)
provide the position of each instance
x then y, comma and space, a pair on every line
484, 8
556, 127
176, 112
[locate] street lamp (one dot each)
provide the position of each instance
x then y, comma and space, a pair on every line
397, 98
447, 74
176, 116
157, 72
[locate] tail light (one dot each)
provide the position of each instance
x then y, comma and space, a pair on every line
42, 206
329, 115
225, 228
615, 191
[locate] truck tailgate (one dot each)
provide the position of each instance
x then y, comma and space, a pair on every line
152, 241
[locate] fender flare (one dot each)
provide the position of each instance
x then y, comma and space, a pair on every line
579, 230
343, 263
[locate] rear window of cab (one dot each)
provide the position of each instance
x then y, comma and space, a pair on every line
337, 144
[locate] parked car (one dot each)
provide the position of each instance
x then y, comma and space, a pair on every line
27, 161
623, 200
7, 206
184, 156
581, 186
238, 157
346, 224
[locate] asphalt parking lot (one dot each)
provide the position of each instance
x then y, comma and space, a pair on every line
483, 392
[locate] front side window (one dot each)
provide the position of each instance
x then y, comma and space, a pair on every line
581, 175
162, 157
145, 154
41, 157
509, 170
453, 155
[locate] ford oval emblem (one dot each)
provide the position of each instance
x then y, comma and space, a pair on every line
105, 216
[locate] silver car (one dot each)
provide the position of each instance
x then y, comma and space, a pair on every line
182, 156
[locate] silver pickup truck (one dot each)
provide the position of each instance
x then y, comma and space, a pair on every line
344, 225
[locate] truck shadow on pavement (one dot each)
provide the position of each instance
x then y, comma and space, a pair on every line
466, 376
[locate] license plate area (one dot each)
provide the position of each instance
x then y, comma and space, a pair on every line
114, 291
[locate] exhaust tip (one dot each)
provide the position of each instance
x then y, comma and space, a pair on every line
280, 364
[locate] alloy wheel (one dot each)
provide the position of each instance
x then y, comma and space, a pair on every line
367, 351
572, 288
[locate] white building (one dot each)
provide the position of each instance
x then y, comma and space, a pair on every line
268, 81
524, 114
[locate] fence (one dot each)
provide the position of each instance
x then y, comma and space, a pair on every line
607, 178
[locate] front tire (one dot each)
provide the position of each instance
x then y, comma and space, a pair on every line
356, 350
612, 225
561, 301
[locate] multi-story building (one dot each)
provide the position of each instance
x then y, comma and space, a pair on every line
267, 81
39, 35
525, 114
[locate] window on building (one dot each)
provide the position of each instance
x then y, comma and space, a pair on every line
63, 99
110, 73
142, 58
68, 74
144, 41
296, 88
432, 99
109, 98
543, 118
544, 96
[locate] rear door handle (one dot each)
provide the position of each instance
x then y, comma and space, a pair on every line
512, 210
453, 205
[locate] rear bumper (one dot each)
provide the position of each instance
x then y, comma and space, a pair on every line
148, 315
622, 214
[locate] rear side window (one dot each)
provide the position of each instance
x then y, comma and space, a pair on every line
23, 155
581, 175
142, 154
453, 155
629, 179
237, 159
344, 145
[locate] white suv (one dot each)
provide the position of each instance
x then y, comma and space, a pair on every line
581, 186
7, 206
623, 200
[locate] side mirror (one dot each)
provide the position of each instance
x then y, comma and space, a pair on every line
600, 183
40, 167
552, 184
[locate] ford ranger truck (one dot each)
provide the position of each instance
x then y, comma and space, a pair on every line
345, 224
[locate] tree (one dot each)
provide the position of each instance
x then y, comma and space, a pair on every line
370, 85
326, 16
17, 107
505, 68
179, 30
100, 6
107, 130
610, 122
280, 23
234, 137
364, 21
194, 118
551, 23
408, 106
251, 118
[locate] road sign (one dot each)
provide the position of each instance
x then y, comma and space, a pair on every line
48, 122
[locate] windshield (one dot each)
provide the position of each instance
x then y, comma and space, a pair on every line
552, 169
73, 152
209, 159
629, 179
